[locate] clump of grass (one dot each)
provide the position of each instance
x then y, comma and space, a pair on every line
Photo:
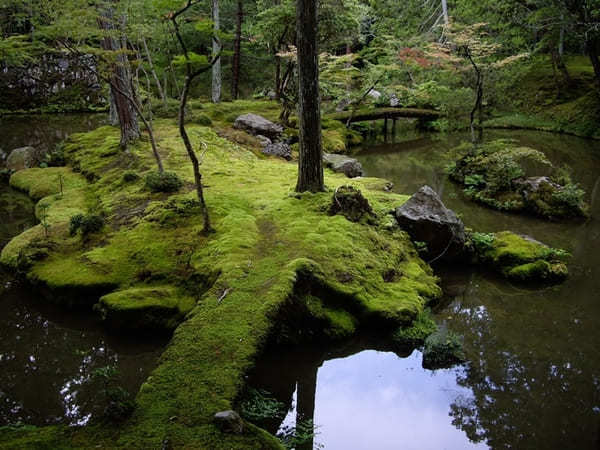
163, 182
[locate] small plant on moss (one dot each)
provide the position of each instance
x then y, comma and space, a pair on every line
443, 349
119, 405
87, 224
475, 181
260, 405
570, 196
163, 182
130, 177
44, 218
55, 158
482, 241
415, 335
421, 246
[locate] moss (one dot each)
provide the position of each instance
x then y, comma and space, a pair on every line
415, 334
39, 183
160, 307
523, 259
237, 281
334, 142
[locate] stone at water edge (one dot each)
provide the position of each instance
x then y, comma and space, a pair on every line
427, 219
343, 164
23, 158
229, 422
531, 185
280, 149
255, 124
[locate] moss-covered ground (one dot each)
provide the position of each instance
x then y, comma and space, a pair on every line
153, 267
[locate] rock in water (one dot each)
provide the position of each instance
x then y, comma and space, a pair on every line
229, 422
427, 219
255, 124
343, 164
280, 149
23, 158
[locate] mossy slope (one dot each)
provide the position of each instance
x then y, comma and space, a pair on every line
234, 283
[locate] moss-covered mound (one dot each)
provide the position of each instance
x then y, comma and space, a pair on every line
153, 267
511, 178
520, 258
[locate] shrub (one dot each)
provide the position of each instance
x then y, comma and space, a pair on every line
482, 241
163, 182
130, 177
260, 406
87, 224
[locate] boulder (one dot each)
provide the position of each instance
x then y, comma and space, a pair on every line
255, 124
374, 94
427, 219
532, 185
343, 164
23, 158
264, 141
229, 422
280, 149
394, 102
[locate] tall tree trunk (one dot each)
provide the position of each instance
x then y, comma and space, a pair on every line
593, 49
159, 87
120, 83
216, 48
237, 44
310, 161
277, 77
445, 12
561, 38
478, 107
113, 116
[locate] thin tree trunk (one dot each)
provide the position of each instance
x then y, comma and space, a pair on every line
237, 44
310, 161
161, 92
277, 77
113, 116
216, 48
478, 107
561, 38
192, 154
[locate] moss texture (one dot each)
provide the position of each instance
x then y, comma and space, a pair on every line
153, 266
523, 259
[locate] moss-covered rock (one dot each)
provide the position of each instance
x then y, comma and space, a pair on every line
150, 308
504, 176
520, 258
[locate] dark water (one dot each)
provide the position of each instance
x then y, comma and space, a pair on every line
44, 131
533, 376
48, 356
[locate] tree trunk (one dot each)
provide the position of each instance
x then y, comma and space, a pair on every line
561, 38
161, 92
593, 49
277, 77
113, 117
120, 82
216, 48
310, 161
235, 70
192, 154
445, 12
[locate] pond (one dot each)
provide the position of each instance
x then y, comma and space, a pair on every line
51, 359
533, 374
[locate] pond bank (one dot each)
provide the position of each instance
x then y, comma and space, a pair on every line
236, 282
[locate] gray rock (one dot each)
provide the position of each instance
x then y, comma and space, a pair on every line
374, 94
531, 185
280, 149
229, 422
343, 164
264, 141
343, 104
394, 102
23, 158
255, 124
427, 219
3, 156
272, 95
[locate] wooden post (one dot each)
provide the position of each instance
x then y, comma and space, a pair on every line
394, 130
385, 129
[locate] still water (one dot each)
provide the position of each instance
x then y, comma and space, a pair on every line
49, 357
532, 380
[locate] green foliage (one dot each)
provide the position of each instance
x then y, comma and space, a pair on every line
119, 405
130, 177
87, 224
259, 405
482, 241
442, 349
163, 182
415, 335
303, 433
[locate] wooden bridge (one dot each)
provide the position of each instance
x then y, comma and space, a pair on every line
365, 114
